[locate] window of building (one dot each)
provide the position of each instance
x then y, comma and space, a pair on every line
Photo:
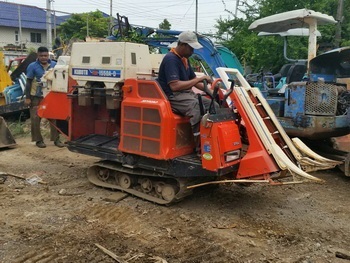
35, 37
16, 37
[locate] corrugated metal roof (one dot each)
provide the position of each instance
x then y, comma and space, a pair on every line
32, 17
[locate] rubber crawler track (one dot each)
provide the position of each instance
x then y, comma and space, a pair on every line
106, 174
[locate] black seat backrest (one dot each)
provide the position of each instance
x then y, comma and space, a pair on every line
283, 72
296, 73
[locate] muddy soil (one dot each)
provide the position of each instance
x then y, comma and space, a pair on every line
64, 219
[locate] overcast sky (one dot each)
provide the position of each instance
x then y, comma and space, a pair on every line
180, 13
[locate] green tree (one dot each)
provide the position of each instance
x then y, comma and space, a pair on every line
165, 24
78, 26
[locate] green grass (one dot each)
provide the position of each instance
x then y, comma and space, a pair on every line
21, 127
18, 128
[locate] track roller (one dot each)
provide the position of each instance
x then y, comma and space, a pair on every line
125, 181
144, 184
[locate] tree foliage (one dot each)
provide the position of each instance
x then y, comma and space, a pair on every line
78, 26
165, 24
267, 52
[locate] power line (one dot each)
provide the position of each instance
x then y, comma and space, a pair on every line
155, 12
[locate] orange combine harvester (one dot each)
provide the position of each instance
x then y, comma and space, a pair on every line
114, 109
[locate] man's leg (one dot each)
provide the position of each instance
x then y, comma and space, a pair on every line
54, 134
35, 120
186, 103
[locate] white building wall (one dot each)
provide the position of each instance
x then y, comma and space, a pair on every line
8, 36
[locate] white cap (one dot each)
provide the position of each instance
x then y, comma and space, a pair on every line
189, 38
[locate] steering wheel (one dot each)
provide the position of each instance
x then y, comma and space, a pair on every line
221, 98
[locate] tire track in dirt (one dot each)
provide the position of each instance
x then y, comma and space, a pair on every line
226, 224
183, 238
42, 256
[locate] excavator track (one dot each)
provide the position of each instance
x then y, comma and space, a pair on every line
148, 185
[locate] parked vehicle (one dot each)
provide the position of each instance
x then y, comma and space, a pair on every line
314, 102
12, 93
117, 111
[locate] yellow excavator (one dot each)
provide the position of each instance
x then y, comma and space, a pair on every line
6, 138
5, 79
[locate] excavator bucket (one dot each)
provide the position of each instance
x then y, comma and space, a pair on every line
6, 138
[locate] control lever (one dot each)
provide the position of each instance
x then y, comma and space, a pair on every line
211, 95
230, 90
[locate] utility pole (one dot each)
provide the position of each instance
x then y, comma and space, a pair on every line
20, 28
110, 17
339, 18
196, 26
236, 10
54, 25
87, 25
48, 25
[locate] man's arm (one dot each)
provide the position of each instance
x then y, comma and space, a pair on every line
28, 87
27, 91
178, 85
30, 76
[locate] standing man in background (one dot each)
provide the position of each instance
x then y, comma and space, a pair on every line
34, 96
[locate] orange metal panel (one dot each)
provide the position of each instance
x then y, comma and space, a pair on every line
55, 105
137, 108
216, 140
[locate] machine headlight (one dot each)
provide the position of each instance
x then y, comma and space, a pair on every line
231, 156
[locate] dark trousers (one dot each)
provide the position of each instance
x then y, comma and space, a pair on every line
187, 104
36, 120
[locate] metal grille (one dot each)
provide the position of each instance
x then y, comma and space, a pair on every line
132, 128
131, 143
86, 60
106, 60
149, 146
152, 131
151, 115
132, 113
136, 129
321, 99
149, 90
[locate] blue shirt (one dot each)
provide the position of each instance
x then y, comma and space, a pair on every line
172, 69
35, 71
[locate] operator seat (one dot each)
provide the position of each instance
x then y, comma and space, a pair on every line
282, 73
296, 73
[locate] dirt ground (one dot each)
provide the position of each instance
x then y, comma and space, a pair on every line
63, 220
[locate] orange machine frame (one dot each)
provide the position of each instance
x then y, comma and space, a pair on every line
148, 125
56, 105
257, 160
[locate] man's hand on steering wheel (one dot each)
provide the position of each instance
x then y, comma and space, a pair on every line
206, 78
